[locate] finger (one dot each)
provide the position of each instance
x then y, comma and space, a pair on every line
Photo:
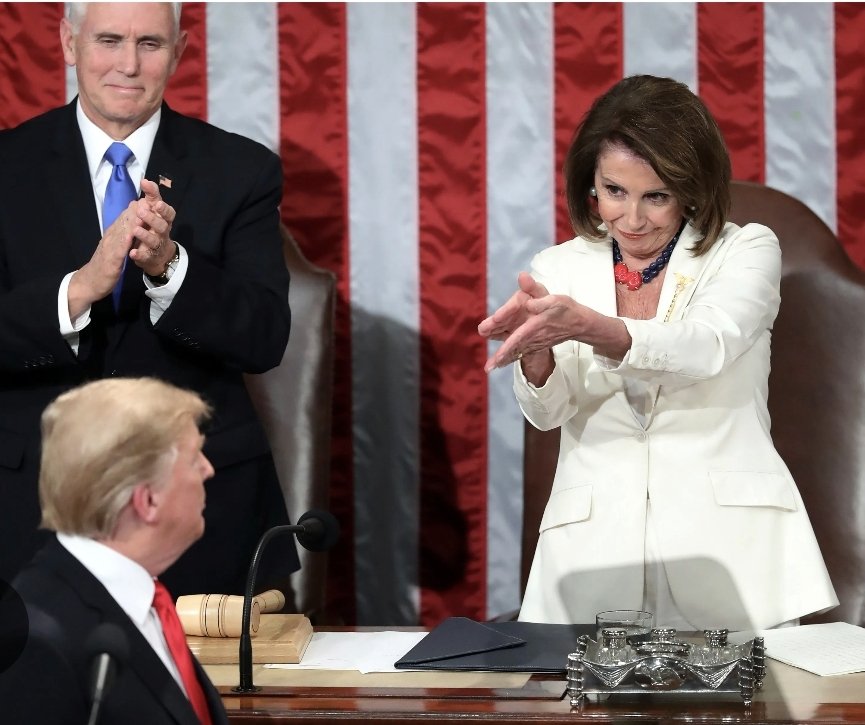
530, 286
539, 306
493, 363
507, 353
493, 333
160, 209
510, 310
150, 190
155, 221
167, 212
149, 242
500, 360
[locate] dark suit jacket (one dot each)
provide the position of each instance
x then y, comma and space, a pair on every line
50, 683
230, 316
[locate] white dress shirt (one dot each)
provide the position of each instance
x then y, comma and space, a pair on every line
131, 587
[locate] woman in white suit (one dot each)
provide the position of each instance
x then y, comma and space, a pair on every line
646, 338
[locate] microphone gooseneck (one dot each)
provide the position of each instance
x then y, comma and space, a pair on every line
107, 648
316, 531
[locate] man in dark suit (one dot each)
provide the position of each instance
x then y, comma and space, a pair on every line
195, 264
122, 485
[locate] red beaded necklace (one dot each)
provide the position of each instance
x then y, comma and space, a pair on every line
635, 279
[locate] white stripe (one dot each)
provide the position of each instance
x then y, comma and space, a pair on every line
71, 78
800, 104
71, 83
243, 70
661, 39
383, 230
521, 221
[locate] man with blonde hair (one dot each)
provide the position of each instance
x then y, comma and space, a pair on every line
122, 486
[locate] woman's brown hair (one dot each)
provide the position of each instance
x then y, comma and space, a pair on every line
663, 122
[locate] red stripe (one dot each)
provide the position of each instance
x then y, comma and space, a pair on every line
588, 61
31, 61
730, 73
314, 150
452, 258
849, 112
187, 88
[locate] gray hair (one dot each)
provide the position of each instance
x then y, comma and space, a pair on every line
75, 13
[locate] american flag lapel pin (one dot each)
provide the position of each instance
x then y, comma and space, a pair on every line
164, 181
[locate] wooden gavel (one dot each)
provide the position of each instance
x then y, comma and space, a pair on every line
220, 615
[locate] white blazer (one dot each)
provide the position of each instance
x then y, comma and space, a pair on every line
736, 542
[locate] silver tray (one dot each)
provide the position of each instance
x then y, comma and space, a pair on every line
667, 669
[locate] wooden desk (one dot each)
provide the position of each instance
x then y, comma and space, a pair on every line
789, 695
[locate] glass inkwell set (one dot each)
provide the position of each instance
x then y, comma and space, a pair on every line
664, 663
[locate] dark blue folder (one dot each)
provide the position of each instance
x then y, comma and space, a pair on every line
459, 643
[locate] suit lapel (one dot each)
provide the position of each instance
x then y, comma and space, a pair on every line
594, 280
214, 701
167, 166
71, 190
684, 272
142, 659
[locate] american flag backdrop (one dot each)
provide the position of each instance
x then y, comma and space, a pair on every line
422, 146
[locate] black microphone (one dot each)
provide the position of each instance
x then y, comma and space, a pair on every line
107, 649
316, 531
319, 530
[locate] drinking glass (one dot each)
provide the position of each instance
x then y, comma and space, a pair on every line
637, 624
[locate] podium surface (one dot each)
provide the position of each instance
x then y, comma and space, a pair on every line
316, 696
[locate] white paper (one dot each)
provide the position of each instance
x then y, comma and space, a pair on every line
824, 649
360, 651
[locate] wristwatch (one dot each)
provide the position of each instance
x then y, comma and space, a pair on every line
170, 266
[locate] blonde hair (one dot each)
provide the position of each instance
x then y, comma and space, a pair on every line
102, 439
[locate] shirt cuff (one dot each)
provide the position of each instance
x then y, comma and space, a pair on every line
70, 328
161, 296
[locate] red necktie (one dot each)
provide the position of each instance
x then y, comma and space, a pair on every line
176, 641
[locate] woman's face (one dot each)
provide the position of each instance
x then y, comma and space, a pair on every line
637, 208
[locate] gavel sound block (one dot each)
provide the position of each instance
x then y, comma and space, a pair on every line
212, 623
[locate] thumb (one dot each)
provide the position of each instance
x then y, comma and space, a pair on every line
151, 190
530, 286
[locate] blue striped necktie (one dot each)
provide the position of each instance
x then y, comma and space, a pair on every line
119, 192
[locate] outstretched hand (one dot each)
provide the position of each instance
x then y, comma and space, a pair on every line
512, 313
549, 321
517, 323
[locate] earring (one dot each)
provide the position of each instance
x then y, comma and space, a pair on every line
593, 192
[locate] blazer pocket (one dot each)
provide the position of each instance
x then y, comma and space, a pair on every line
753, 488
567, 506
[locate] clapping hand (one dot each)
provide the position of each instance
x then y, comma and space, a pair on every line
152, 247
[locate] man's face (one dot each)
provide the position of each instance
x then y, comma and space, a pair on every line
124, 54
181, 498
